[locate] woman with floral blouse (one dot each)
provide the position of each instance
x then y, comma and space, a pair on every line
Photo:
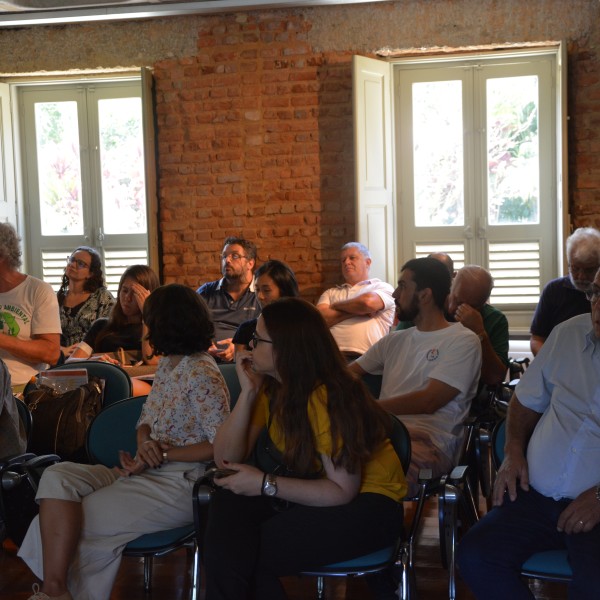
88, 513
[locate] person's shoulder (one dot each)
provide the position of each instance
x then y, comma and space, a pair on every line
489, 311
210, 287
460, 332
102, 293
578, 323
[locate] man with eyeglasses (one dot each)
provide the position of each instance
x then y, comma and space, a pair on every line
564, 297
231, 299
547, 491
29, 318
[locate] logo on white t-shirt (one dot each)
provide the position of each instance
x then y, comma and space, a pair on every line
433, 354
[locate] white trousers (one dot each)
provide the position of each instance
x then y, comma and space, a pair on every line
116, 510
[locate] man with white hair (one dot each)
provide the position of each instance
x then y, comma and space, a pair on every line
468, 304
564, 297
361, 310
29, 317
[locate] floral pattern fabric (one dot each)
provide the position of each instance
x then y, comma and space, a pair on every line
188, 402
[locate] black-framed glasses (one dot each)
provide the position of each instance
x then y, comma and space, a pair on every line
593, 294
233, 256
255, 339
79, 264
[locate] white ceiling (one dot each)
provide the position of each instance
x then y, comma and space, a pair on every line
20, 13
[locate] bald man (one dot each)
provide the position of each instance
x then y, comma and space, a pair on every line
468, 304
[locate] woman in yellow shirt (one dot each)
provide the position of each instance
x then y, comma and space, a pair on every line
334, 488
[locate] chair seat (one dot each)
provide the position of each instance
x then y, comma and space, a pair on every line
552, 563
154, 542
367, 562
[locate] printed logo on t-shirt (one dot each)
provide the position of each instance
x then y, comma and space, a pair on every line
433, 354
8, 320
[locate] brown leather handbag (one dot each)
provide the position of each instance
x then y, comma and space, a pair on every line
61, 420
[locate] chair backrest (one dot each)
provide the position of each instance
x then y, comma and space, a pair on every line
113, 429
373, 383
117, 382
25, 416
498, 439
400, 439
233, 383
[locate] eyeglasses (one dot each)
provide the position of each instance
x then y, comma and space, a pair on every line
79, 264
232, 256
593, 294
255, 339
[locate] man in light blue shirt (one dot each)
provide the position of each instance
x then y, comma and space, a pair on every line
547, 493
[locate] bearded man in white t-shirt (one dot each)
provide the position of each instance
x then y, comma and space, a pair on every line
29, 317
430, 371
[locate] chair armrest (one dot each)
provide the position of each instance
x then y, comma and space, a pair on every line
201, 495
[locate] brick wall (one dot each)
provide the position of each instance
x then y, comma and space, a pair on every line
255, 139
254, 112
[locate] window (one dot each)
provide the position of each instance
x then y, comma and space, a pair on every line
86, 172
470, 164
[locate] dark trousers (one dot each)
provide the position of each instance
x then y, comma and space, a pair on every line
492, 552
249, 544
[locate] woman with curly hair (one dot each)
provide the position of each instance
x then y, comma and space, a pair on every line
82, 297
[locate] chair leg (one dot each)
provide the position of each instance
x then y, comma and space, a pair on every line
320, 588
195, 573
148, 560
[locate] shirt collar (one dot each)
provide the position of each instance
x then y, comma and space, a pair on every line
365, 282
221, 285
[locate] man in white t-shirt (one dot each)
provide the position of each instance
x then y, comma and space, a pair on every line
29, 317
361, 310
430, 371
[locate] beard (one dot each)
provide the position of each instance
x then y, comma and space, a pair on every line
580, 284
409, 313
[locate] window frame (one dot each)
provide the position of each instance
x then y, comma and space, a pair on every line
384, 197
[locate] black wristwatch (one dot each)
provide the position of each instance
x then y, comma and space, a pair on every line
269, 486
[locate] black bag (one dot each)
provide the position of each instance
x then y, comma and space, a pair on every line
61, 420
19, 478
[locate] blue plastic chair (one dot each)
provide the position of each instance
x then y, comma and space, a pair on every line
552, 565
233, 383
380, 560
117, 383
112, 430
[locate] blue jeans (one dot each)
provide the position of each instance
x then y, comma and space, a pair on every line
492, 552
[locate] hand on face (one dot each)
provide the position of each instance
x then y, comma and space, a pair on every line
470, 317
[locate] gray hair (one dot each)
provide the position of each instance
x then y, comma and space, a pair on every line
10, 249
585, 243
360, 247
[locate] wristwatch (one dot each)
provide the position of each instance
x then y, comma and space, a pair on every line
598, 492
269, 486
165, 457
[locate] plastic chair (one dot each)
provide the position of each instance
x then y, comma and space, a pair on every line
117, 382
385, 558
551, 565
233, 383
112, 430
25, 416
457, 509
